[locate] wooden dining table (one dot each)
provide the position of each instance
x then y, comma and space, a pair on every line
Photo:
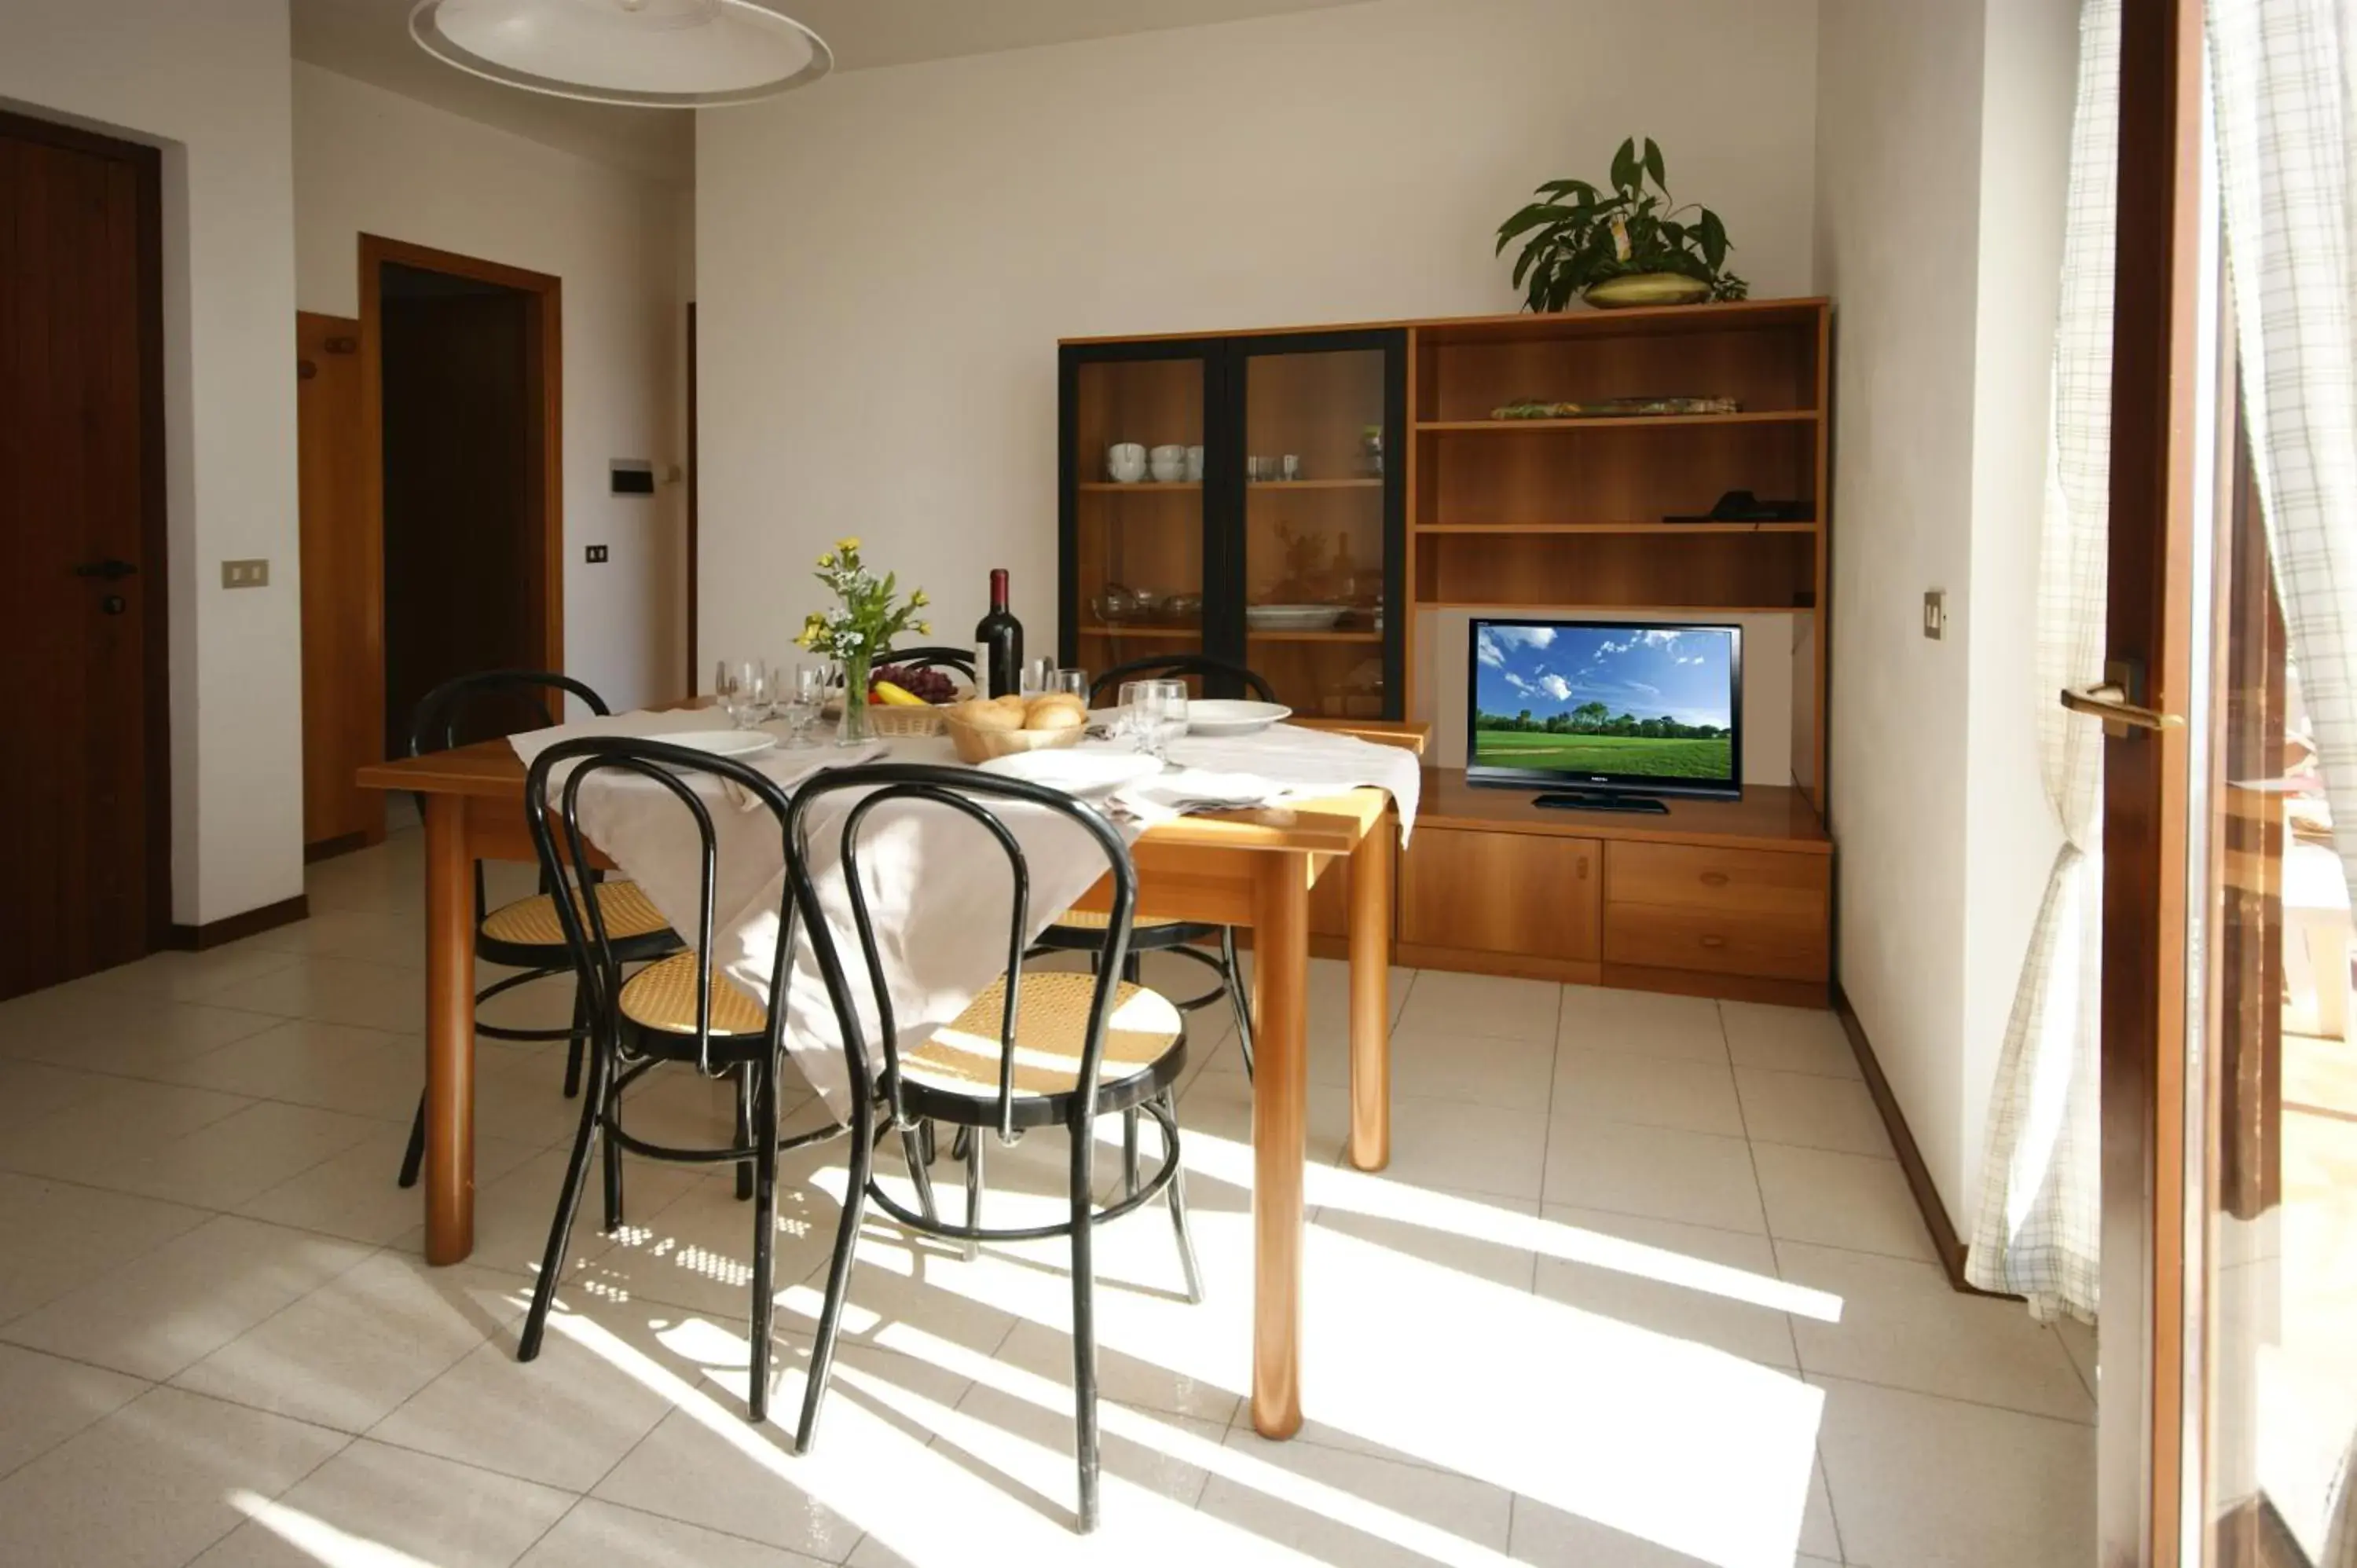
1251, 869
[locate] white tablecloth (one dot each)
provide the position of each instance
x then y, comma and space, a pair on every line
936, 885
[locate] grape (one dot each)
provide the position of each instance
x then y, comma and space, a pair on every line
929, 683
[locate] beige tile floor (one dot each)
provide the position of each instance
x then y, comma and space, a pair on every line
1643, 1285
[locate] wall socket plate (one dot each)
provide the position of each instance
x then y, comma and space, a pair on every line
245, 574
1935, 613
596, 554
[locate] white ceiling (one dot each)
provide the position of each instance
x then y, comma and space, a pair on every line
369, 39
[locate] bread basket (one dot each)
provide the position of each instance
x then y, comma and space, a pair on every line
982, 744
893, 722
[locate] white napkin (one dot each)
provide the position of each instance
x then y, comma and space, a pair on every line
1281, 763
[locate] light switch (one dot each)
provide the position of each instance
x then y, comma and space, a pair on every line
597, 554
245, 574
1935, 613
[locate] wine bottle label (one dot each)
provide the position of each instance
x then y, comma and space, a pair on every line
981, 671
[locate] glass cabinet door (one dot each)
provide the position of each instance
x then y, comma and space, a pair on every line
1134, 505
1321, 540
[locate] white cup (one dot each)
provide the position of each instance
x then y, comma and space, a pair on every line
1195, 465
1168, 464
1125, 461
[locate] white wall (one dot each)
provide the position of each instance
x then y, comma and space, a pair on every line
369, 161
209, 84
886, 260
1939, 154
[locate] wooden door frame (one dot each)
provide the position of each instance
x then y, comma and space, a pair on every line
545, 387
147, 165
695, 682
2142, 1432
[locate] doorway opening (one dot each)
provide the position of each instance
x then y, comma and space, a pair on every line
85, 851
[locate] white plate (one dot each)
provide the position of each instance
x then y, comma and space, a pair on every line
1216, 716
721, 742
1084, 771
1293, 618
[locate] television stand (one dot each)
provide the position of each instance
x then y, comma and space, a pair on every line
1601, 800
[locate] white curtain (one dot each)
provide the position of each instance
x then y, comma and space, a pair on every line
2281, 76
2039, 1225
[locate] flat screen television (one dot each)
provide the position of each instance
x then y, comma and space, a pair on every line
1611, 713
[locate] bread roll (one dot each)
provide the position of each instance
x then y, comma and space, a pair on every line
1055, 716
988, 716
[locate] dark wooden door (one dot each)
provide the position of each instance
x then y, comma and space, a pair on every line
84, 807
342, 678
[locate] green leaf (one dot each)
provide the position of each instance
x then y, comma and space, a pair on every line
1528, 219
1624, 165
1714, 239
1654, 165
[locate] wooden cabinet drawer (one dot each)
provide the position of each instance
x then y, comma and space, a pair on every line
1725, 941
1526, 894
1736, 880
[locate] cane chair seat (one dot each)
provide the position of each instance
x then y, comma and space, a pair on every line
662, 997
534, 922
1097, 920
1051, 1026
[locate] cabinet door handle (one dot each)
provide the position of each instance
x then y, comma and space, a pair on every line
1583, 868
1714, 941
1714, 879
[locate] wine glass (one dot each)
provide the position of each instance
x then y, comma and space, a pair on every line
743, 688
1167, 708
800, 694
1068, 683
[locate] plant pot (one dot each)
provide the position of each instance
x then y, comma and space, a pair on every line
1646, 288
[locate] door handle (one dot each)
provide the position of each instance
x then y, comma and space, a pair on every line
112, 571
2114, 702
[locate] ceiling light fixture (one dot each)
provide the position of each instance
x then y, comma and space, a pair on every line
649, 54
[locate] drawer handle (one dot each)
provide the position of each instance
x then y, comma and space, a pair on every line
1583, 868
1714, 879
1714, 941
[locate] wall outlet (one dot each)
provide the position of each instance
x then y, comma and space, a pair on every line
245, 574
1935, 613
596, 554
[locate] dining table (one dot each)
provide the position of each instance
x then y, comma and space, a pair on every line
1252, 868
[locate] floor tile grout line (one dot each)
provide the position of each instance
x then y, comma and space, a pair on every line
2071, 1422
346, 1441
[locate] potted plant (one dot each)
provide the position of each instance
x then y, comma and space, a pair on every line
870, 614
1629, 245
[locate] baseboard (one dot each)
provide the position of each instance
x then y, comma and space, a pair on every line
1945, 1242
328, 849
236, 927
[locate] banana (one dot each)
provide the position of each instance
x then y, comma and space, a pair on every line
893, 696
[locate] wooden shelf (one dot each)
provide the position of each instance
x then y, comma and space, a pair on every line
1633, 422
1537, 528
1167, 633
1649, 608
1251, 635
1257, 486
1149, 487
1767, 817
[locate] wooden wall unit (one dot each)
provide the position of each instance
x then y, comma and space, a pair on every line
1568, 517
341, 660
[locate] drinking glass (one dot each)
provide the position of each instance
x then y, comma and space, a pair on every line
1039, 676
1168, 707
1069, 682
801, 695
1130, 719
744, 689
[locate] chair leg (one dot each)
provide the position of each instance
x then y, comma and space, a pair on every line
1084, 1320
578, 1045
1176, 1196
416, 1154
1235, 979
1129, 1152
762, 1114
838, 1278
913, 1142
614, 1158
745, 1168
568, 1203
973, 1142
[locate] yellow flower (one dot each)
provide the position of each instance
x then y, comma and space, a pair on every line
924, 628
918, 601
847, 545
824, 562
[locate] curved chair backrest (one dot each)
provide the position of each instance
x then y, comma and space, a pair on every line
438, 723
559, 844
981, 799
958, 659
1218, 676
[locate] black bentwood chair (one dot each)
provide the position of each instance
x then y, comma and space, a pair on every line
676, 1013
1034, 1050
526, 934
1078, 930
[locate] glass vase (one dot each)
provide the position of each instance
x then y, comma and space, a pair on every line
855, 728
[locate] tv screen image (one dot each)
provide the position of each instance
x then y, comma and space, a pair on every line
1606, 703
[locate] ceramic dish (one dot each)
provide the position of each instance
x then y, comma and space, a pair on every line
1293, 618
1217, 716
721, 742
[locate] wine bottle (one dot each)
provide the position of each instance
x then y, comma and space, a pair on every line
998, 644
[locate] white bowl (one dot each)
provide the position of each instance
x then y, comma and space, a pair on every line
737, 743
1218, 716
1293, 618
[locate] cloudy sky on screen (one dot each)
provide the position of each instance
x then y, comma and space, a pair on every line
1646, 671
